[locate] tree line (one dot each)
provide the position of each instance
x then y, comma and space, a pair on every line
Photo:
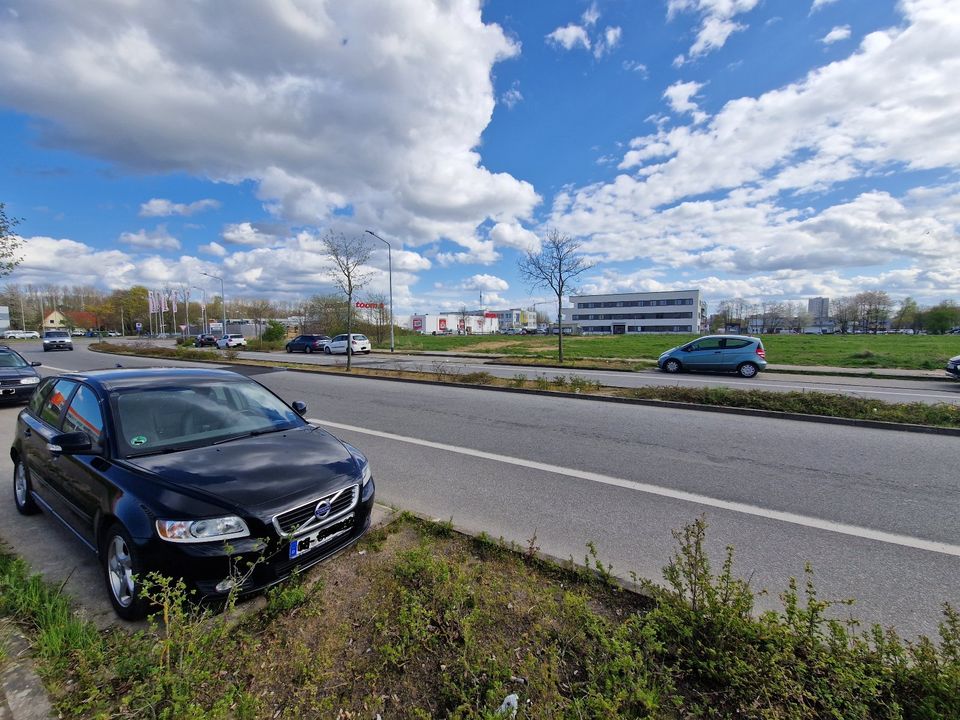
871, 311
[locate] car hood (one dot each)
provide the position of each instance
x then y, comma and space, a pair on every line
259, 475
955, 358
8, 372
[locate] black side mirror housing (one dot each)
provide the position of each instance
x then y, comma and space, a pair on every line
35, 364
71, 443
300, 408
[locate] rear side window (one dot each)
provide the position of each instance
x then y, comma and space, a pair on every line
40, 396
737, 344
57, 400
84, 415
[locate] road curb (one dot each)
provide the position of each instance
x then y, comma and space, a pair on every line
800, 417
20, 687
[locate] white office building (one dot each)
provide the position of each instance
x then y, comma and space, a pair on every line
516, 319
673, 311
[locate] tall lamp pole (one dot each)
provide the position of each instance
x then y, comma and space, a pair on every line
223, 299
390, 273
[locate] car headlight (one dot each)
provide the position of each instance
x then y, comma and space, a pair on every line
192, 531
29, 380
366, 474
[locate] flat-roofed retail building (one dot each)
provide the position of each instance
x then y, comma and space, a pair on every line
673, 311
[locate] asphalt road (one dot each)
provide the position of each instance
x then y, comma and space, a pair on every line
874, 511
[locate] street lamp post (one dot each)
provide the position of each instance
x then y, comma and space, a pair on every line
390, 273
203, 307
223, 299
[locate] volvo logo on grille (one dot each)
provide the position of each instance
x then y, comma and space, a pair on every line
322, 509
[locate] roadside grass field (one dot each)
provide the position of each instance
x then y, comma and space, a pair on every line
912, 352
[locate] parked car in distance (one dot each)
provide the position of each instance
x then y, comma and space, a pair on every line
205, 341
230, 341
359, 344
113, 333
95, 333
20, 334
308, 343
77, 332
162, 469
18, 378
57, 340
953, 367
718, 353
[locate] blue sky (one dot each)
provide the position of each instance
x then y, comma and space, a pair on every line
766, 149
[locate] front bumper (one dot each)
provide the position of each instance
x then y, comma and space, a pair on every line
57, 345
16, 393
257, 564
953, 370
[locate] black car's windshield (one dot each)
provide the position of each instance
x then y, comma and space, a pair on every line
11, 360
179, 417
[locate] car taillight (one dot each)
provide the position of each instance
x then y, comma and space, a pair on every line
761, 352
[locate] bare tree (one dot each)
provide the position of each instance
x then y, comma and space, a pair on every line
349, 255
555, 266
462, 315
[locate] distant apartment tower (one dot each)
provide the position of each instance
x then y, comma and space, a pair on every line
819, 309
674, 311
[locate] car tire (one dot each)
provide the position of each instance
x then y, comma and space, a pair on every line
289, 349
747, 370
672, 366
121, 564
21, 490
328, 351
366, 352
309, 350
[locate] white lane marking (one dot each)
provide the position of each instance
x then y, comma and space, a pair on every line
56, 369
792, 518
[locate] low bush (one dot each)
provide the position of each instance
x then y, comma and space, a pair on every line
477, 378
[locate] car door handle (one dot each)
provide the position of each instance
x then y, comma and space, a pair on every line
27, 432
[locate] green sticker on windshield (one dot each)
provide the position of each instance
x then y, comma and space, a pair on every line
138, 441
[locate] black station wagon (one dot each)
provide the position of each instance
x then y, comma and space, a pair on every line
199, 474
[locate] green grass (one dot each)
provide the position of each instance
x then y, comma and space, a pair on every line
915, 352
426, 623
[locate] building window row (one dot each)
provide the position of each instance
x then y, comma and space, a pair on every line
608, 330
637, 316
636, 303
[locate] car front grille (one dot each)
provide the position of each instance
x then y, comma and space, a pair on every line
302, 519
7, 383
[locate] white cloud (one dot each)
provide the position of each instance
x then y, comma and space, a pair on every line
569, 37
246, 234
841, 32
512, 96
157, 239
716, 22
515, 236
817, 4
679, 94
637, 67
762, 162
609, 40
591, 15
485, 283
379, 107
159, 207
213, 248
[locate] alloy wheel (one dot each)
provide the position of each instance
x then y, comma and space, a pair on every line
120, 571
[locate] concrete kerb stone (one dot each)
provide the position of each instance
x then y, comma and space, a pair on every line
800, 417
20, 686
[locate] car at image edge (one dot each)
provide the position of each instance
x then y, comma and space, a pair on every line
742, 354
953, 367
18, 378
197, 474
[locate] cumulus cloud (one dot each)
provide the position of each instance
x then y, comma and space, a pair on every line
817, 4
716, 23
213, 248
608, 41
512, 96
159, 207
841, 32
679, 94
515, 236
569, 37
486, 283
744, 194
246, 234
157, 239
360, 104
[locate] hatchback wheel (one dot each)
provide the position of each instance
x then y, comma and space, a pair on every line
289, 349
327, 350
122, 569
747, 370
309, 349
671, 366
21, 490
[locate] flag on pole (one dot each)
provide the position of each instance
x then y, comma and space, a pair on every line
173, 301
151, 304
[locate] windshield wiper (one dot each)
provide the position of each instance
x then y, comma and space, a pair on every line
251, 433
158, 451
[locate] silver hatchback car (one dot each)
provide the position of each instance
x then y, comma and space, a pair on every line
719, 353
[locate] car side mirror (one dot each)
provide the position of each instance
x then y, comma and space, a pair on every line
35, 364
71, 443
300, 408
688, 348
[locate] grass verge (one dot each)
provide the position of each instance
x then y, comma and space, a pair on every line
804, 403
420, 622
